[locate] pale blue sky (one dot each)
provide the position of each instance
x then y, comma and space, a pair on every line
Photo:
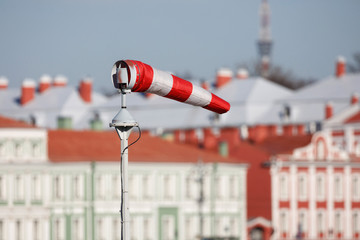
84, 38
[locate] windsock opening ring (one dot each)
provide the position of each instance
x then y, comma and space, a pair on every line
140, 77
124, 74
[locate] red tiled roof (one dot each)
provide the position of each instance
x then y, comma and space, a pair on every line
70, 146
283, 144
12, 123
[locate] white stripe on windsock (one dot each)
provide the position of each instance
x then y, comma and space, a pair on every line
199, 97
162, 83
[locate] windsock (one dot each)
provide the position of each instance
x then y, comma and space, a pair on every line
140, 77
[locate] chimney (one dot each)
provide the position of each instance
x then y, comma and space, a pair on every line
191, 137
3, 83
209, 138
242, 73
288, 130
85, 89
45, 82
301, 129
205, 85
328, 110
354, 98
60, 81
223, 76
148, 95
258, 133
272, 130
27, 91
230, 134
179, 136
340, 67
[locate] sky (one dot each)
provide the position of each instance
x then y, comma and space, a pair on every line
83, 38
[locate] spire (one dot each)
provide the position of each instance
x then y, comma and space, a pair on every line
264, 42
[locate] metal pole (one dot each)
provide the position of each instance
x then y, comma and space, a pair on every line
124, 133
124, 123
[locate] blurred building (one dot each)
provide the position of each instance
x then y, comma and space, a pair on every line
62, 184
51, 103
316, 188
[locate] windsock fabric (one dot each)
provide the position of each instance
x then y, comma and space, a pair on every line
151, 80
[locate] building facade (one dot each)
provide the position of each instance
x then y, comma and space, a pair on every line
78, 196
316, 189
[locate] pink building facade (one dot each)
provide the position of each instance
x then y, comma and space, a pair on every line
316, 189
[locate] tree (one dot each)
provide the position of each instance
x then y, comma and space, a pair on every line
354, 67
277, 74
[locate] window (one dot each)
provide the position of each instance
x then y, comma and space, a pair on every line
59, 187
36, 230
19, 188
320, 150
59, 229
146, 186
218, 227
100, 230
147, 229
320, 187
169, 187
2, 149
116, 229
19, 150
2, 188
188, 228
36, 187
338, 223
233, 226
356, 188
338, 187
78, 183
188, 184
133, 231
132, 187
233, 187
218, 187
356, 223
18, 230
357, 149
2, 230
283, 187
100, 187
302, 221
78, 229
320, 223
36, 149
302, 187
116, 186
283, 222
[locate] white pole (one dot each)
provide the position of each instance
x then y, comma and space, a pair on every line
124, 133
124, 123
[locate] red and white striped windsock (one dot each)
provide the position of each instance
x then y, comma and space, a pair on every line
140, 77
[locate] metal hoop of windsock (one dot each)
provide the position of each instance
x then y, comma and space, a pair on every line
140, 77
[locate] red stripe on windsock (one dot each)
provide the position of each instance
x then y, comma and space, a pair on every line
144, 77
218, 105
181, 89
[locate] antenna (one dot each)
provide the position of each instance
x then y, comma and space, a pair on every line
265, 41
130, 75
